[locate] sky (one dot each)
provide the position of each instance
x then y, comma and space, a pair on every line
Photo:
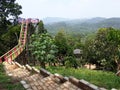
71, 9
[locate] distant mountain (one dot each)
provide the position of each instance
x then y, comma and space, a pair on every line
95, 20
111, 22
83, 26
50, 20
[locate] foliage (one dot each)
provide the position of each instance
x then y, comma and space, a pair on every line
89, 51
74, 42
9, 10
61, 42
107, 80
41, 28
9, 39
43, 48
103, 50
70, 61
66, 44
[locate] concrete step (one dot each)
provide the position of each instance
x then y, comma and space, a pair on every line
33, 79
10, 67
16, 72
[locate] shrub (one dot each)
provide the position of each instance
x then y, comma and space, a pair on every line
70, 62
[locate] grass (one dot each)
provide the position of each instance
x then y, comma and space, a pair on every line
7, 83
104, 79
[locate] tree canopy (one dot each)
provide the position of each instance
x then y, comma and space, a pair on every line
9, 12
61, 42
43, 48
41, 28
104, 49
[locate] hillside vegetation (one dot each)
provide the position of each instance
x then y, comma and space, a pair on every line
107, 80
82, 26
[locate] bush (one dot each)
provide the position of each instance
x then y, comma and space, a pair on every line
70, 62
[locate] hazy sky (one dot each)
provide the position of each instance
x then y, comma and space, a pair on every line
70, 8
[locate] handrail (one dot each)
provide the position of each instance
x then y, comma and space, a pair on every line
13, 55
9, 51
15, 51
20, 32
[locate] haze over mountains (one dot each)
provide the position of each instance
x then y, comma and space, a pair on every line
53, 25
49, 20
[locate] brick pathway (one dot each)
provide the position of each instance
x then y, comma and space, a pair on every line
33, 79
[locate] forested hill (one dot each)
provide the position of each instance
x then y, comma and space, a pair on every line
82, 25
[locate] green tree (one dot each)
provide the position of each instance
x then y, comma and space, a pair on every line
43, 48
65, 45
114, 39
70, 61
41, 28
61, 42
9, 39
9, 10
74, 42
104, 49
89, 51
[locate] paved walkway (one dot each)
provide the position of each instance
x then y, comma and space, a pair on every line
33, 79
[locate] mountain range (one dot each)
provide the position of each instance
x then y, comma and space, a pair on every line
82, 26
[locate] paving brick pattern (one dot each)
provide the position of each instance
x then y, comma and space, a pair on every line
37, 81
68, 86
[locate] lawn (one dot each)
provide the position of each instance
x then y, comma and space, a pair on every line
6, 83
104, 79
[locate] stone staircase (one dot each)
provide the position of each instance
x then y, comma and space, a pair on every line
34, 79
